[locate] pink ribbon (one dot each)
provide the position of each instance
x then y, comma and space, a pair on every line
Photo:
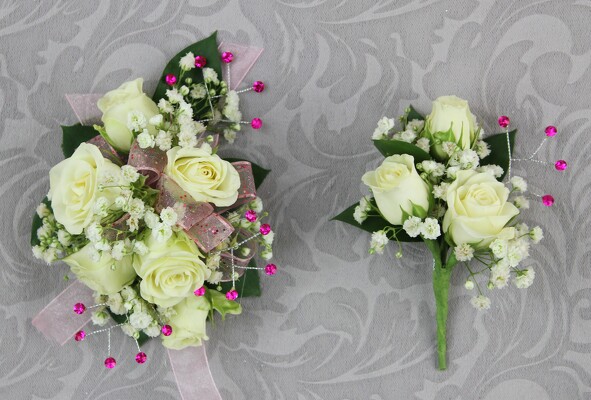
244, 59
192, 374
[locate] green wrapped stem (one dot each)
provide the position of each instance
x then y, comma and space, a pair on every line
441, 283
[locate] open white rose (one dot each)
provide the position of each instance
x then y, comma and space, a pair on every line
188, 323
105, 276
478, 210
116, 106
450, 114
205, 176
171, 270
74, 184
396, 185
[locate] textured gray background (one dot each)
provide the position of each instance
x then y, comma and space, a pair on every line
335, 323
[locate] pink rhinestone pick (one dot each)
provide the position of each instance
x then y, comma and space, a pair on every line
79, 308
227, 57
270, 269
504, 121
200, 292
250, 215
548, 200
551, 131
79, 336
256, 123
258, 86
200, 61
232, 295
141, 357
167, 330
110, 362
560, 165
265, 229
170, 79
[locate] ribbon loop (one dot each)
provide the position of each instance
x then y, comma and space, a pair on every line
106, 150
150, 162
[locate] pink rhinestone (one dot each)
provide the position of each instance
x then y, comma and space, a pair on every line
551, 131
232, 295
560, 165
79, 308
258, 86
199, 292
227, 57
256, 123
265, 229
548, 200
270, 269
250, 215
110, 362
200, 61
141, 357
167, 330
170, 79
504, 121
79, 336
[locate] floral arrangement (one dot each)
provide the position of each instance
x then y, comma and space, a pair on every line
147, 214
442, 183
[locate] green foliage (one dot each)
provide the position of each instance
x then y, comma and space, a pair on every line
207, 48
221, 304
37, 223
74, 135
414, 114
499, 154
391, 147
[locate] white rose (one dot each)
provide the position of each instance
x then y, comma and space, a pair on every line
100, 275
188, 324
171, 270
205, 176
73, 186
478, 210
450, 114
116, 106
395, 184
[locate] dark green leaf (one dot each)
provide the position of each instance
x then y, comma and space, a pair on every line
498, 150
207, 48
390, 147
414, 114
258, 172
372, 224
248, 285
37, 223
120, 319
74, 135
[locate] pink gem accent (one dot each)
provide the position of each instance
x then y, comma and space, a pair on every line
258, 86
256, 123
200, 61
227, 57
199, 292
79, 336
270, 269
265, 229
548, 200
110, 362
167, 330
79, 308
170, 79
141, 357
560, 165
504, 121
250, 215
551, 131
232, 295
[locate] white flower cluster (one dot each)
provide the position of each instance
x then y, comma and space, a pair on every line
54, 240
428, 229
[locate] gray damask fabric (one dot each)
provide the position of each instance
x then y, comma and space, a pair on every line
335, 323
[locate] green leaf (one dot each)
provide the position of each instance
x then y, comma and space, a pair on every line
414, 114
120, 319
418, 211
37, 223
391, 147
372, 224
207, 48
221, 304
498, 150
249, 284
74, 135
258, 172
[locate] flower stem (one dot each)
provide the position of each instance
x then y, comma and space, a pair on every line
441, 282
